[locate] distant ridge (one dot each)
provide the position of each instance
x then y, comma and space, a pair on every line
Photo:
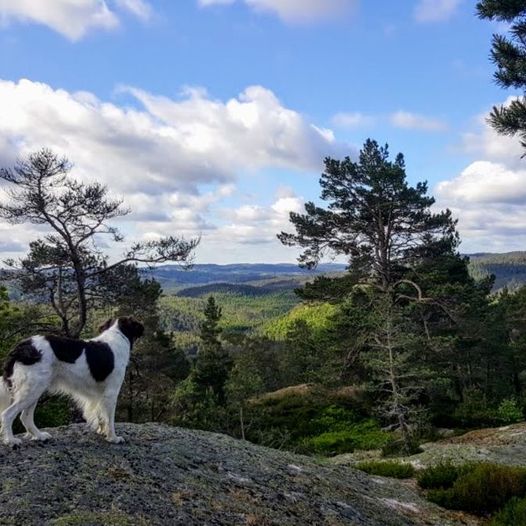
264, 278
173, 277
225, 288
508, 268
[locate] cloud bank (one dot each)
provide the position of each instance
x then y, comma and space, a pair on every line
489, 195
172, 159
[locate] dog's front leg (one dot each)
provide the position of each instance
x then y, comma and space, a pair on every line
109, 405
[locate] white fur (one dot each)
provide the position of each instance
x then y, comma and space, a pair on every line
96, 400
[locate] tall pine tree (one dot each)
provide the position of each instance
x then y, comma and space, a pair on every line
374, 218
213, 361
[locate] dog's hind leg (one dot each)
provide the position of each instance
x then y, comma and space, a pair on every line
22, 399
27, 419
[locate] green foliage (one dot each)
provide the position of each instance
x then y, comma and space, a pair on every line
157, 365
195, 408
474, 409
513, 514
361, 435
313, 421
210, 329
390, 350
213, 363
316, 316
53, 412
483, 489
240, 314
509, 55
509, 411
391, 469
441, 476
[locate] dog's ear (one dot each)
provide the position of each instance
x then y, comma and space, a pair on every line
131, 328
106, 325
138, 327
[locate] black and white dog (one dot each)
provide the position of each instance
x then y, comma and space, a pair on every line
90, 371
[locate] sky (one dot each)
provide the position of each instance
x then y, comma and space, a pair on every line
213, 117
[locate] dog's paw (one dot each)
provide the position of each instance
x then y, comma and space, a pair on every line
12, 442
115, 440
42, 436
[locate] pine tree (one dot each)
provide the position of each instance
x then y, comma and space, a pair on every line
509, 56
66, 268
374, 218
213, 362
386, 230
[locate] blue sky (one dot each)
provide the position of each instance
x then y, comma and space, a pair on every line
212, 117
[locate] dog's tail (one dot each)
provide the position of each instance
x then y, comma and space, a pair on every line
5, 395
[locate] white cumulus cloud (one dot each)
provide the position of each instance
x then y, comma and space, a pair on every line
489, 195
72, 18
172, 159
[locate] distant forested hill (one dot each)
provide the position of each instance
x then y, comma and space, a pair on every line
262, 279
276, 276
509, 268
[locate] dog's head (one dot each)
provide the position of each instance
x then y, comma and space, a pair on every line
131, 328
128, 325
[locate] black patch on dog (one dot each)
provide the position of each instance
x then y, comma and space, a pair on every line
131, 328
26, 353
100, 360
106, 325
66, 349
99, 355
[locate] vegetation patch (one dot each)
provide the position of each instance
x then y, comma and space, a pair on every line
391, 469
316, 316
513, 514
441, 476
361, 435
481, 489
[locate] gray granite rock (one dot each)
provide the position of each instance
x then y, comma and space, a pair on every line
169, 476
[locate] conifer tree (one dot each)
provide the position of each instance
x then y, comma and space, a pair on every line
508, 53
213, 361
374, 218
66, 268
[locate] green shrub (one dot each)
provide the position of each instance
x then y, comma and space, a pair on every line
362, 435
442, 475
509, 411
331, 443
392, 469
482, 490
333, 418
513, 514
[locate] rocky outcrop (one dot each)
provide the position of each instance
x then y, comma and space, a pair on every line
171, 476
